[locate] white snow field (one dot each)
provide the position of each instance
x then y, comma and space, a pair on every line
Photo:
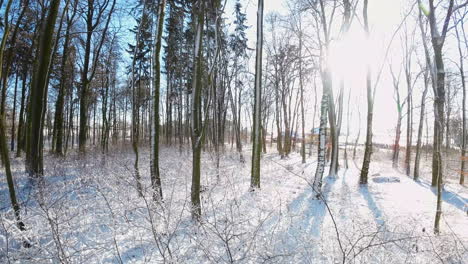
89, 211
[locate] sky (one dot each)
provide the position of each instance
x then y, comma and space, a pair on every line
346, 59
384, 18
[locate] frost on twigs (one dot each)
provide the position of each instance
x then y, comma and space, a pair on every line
94, 214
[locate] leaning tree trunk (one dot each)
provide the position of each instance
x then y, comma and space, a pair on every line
3, 142
9, 176
9, 57
257, 148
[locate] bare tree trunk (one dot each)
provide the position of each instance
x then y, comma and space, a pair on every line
347, 131
9, 176
39, 91
370, 112
155, 175
197, 126
20, 140
13, 118
303, 147
315, 113
257, 144
59, 105
437, 40
421, 124
3, 143
317, 185
399, 105
409, 113
462, 75
89, 69
279, 137
396, 146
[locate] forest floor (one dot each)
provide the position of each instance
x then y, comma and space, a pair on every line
87, 210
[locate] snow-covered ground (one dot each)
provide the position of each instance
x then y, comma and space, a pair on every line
88, 211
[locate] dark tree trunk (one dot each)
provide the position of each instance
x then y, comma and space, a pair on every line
20, 139
155, 176
59, 105
197, 127
39, 91
370, 112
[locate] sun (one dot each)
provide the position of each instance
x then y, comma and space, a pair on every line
349, 56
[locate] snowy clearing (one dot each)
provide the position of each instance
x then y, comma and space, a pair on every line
90, 212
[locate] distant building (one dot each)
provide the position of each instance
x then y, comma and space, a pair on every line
313, 136
310, 137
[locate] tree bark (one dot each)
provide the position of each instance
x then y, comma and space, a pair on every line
197, 127
317, 185
59, 105
437, 40
363, 178
39, 90
13, 118
257, 145
421, 125
155, 175
3, 143
462, 76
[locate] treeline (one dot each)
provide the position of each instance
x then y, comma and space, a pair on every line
189, 81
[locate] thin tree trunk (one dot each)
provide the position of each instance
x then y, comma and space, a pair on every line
9, 176
437, 40
421, 125
13, 118
462, 75
3, 143
197, 127
370, 112
20, 140
303, 147
317, 185
257, 144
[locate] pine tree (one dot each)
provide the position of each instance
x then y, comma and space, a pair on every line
238, 44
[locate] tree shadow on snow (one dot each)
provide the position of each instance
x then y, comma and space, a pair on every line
311, 211
449, 197
376, 212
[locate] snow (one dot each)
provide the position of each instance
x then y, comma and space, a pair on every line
88, 209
